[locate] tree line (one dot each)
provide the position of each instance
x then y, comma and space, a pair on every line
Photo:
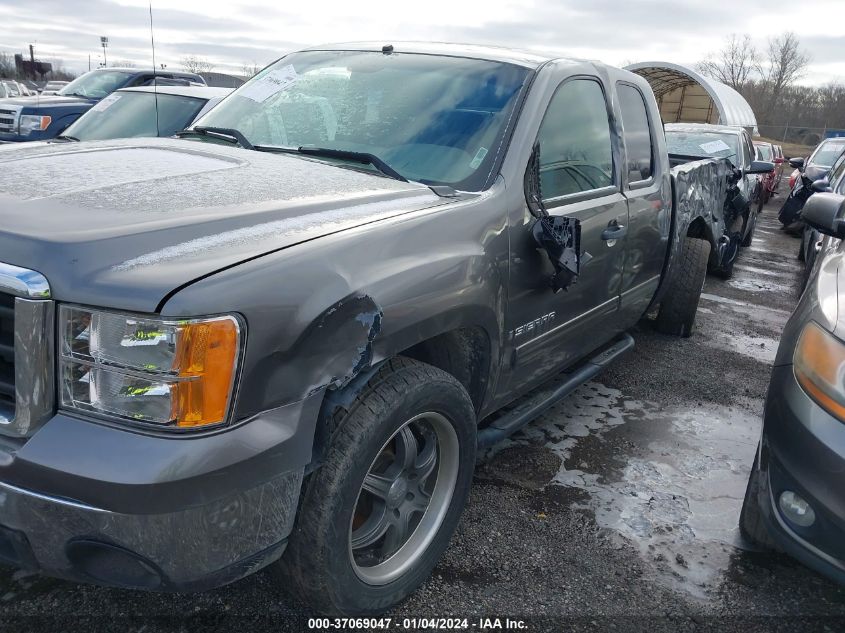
189, 63
768, 79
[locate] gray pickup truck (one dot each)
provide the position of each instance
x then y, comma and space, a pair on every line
284, 336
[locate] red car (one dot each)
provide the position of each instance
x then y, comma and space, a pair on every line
766, 151
779, 161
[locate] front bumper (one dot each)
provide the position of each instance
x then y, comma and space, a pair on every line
93, 503
803, 450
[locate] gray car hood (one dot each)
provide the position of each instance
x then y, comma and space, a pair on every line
123, 223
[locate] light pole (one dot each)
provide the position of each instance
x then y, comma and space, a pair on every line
105, 42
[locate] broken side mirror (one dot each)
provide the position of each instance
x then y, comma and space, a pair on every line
798, 163
825, 213
559, 236
760, 167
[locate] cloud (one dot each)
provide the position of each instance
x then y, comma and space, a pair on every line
235, 32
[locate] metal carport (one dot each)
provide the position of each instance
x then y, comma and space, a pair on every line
685, 96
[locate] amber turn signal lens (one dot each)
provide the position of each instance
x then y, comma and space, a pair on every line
206, 358
819, 365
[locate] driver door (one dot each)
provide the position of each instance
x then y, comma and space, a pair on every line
577, 179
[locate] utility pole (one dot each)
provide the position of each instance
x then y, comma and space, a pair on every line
105, 42
89, 61
31, 61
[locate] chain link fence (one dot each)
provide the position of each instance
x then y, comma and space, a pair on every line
799, 134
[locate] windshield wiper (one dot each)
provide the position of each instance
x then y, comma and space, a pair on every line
65, 137
73, 94
365, 158
233, 135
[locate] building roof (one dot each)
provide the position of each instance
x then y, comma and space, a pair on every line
686, 96
705, 127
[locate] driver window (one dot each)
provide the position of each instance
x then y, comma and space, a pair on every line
575, 148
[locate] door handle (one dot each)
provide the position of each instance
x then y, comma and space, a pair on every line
614, 231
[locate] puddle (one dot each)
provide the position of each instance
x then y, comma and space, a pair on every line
674, 494
774, 316
762, 348
762, 271
756, 248
760, 285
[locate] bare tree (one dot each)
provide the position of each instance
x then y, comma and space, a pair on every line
59, 72
785, 63
832, 104
7, 65
193, 64
248, 71
734, 63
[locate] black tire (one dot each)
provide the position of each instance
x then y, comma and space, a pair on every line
680, 303
319, 565
746, 241
751, 524
726, 270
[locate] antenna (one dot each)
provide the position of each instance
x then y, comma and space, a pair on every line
155, 76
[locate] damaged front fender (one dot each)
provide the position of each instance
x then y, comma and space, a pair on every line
343, 336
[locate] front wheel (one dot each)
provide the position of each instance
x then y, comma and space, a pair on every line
379, 513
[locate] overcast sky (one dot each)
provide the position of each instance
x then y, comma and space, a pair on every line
233, 33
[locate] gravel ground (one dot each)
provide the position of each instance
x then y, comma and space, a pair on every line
616, 510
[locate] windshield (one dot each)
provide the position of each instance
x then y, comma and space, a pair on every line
131, 114
433, 119
704, 144
96, 84
827, 153
764, 152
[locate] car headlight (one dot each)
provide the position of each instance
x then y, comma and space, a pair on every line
170, 372
819, 365
30, 123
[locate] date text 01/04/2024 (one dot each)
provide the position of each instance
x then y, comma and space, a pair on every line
415, 624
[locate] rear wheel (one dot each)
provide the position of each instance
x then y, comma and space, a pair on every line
746, 241
378, 514
680, 303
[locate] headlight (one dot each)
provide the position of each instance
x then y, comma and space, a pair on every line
819, 365
33, 123
159, 371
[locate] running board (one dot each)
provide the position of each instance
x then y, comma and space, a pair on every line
537, 401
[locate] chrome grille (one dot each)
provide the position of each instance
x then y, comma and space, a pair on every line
8, 119
27, 390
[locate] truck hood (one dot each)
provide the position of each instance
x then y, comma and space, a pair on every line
47, 102
123, 223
